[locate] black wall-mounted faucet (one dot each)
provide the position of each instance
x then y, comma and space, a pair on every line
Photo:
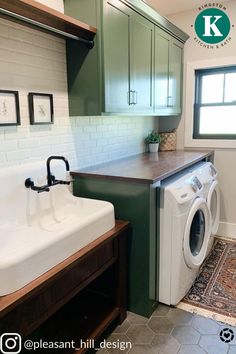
50, 177
51, 180
30, 184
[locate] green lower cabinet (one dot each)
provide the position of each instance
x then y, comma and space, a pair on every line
136, 203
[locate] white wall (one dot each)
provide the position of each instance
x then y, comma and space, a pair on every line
224, 158
32, 61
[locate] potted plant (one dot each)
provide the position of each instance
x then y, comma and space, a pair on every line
153, 139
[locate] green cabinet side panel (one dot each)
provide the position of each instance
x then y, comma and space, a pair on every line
116, 56
83, 64
136, 203
141, 63
82, 67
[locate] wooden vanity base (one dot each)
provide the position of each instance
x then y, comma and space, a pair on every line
77, 299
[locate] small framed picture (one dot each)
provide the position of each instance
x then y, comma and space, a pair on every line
41, 108
9, 108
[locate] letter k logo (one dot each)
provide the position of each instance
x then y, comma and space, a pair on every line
211, 26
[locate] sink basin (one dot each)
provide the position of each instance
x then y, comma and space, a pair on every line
40, 230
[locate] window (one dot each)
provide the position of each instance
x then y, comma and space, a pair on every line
215, 103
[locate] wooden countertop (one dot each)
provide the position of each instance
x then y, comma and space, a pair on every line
145, 168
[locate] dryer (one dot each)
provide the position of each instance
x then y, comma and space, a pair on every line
185, 228
207, 174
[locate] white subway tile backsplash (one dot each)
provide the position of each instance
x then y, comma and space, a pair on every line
28, 143
18, 155
90, 129
41, 153
2, 157
16, 133
32, 61
8, 145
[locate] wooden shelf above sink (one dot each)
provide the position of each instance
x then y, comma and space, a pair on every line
33, 13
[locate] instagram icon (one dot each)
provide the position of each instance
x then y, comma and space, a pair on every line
10, 343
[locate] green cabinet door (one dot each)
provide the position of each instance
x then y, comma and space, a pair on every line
116, 57
141, 64
175, 77
167, 74
161, 86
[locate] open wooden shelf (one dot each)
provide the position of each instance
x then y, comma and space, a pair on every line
105, 321
85, 317
33, 13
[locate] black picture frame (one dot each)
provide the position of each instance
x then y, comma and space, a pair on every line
13, 101
36, 109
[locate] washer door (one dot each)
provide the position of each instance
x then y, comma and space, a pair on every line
213, 202
197, 233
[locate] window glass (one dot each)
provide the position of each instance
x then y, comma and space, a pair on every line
212, 88
230, 87
217, 120
215, 104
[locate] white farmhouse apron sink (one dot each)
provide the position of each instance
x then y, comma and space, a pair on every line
40, 230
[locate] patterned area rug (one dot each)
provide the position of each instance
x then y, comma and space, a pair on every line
213, 293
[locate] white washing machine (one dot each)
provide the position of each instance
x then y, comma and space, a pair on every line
185, 228
207, 174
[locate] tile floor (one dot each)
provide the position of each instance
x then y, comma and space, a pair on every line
171, 331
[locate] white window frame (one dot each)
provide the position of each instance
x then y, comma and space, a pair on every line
189, 104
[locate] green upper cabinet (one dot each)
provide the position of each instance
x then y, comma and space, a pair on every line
161, 78
168, 74
128, 60
176, 77
116, 59
134, 67
141, 64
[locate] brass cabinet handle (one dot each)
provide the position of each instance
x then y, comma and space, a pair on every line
133, 97
170, 101
130, 97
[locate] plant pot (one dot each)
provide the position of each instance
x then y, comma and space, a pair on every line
153, 147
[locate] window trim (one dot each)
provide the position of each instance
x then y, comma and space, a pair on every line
199, 74
185, 129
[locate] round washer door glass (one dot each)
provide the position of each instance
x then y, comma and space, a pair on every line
197, 233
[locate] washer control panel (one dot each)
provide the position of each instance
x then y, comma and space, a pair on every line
195, 184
